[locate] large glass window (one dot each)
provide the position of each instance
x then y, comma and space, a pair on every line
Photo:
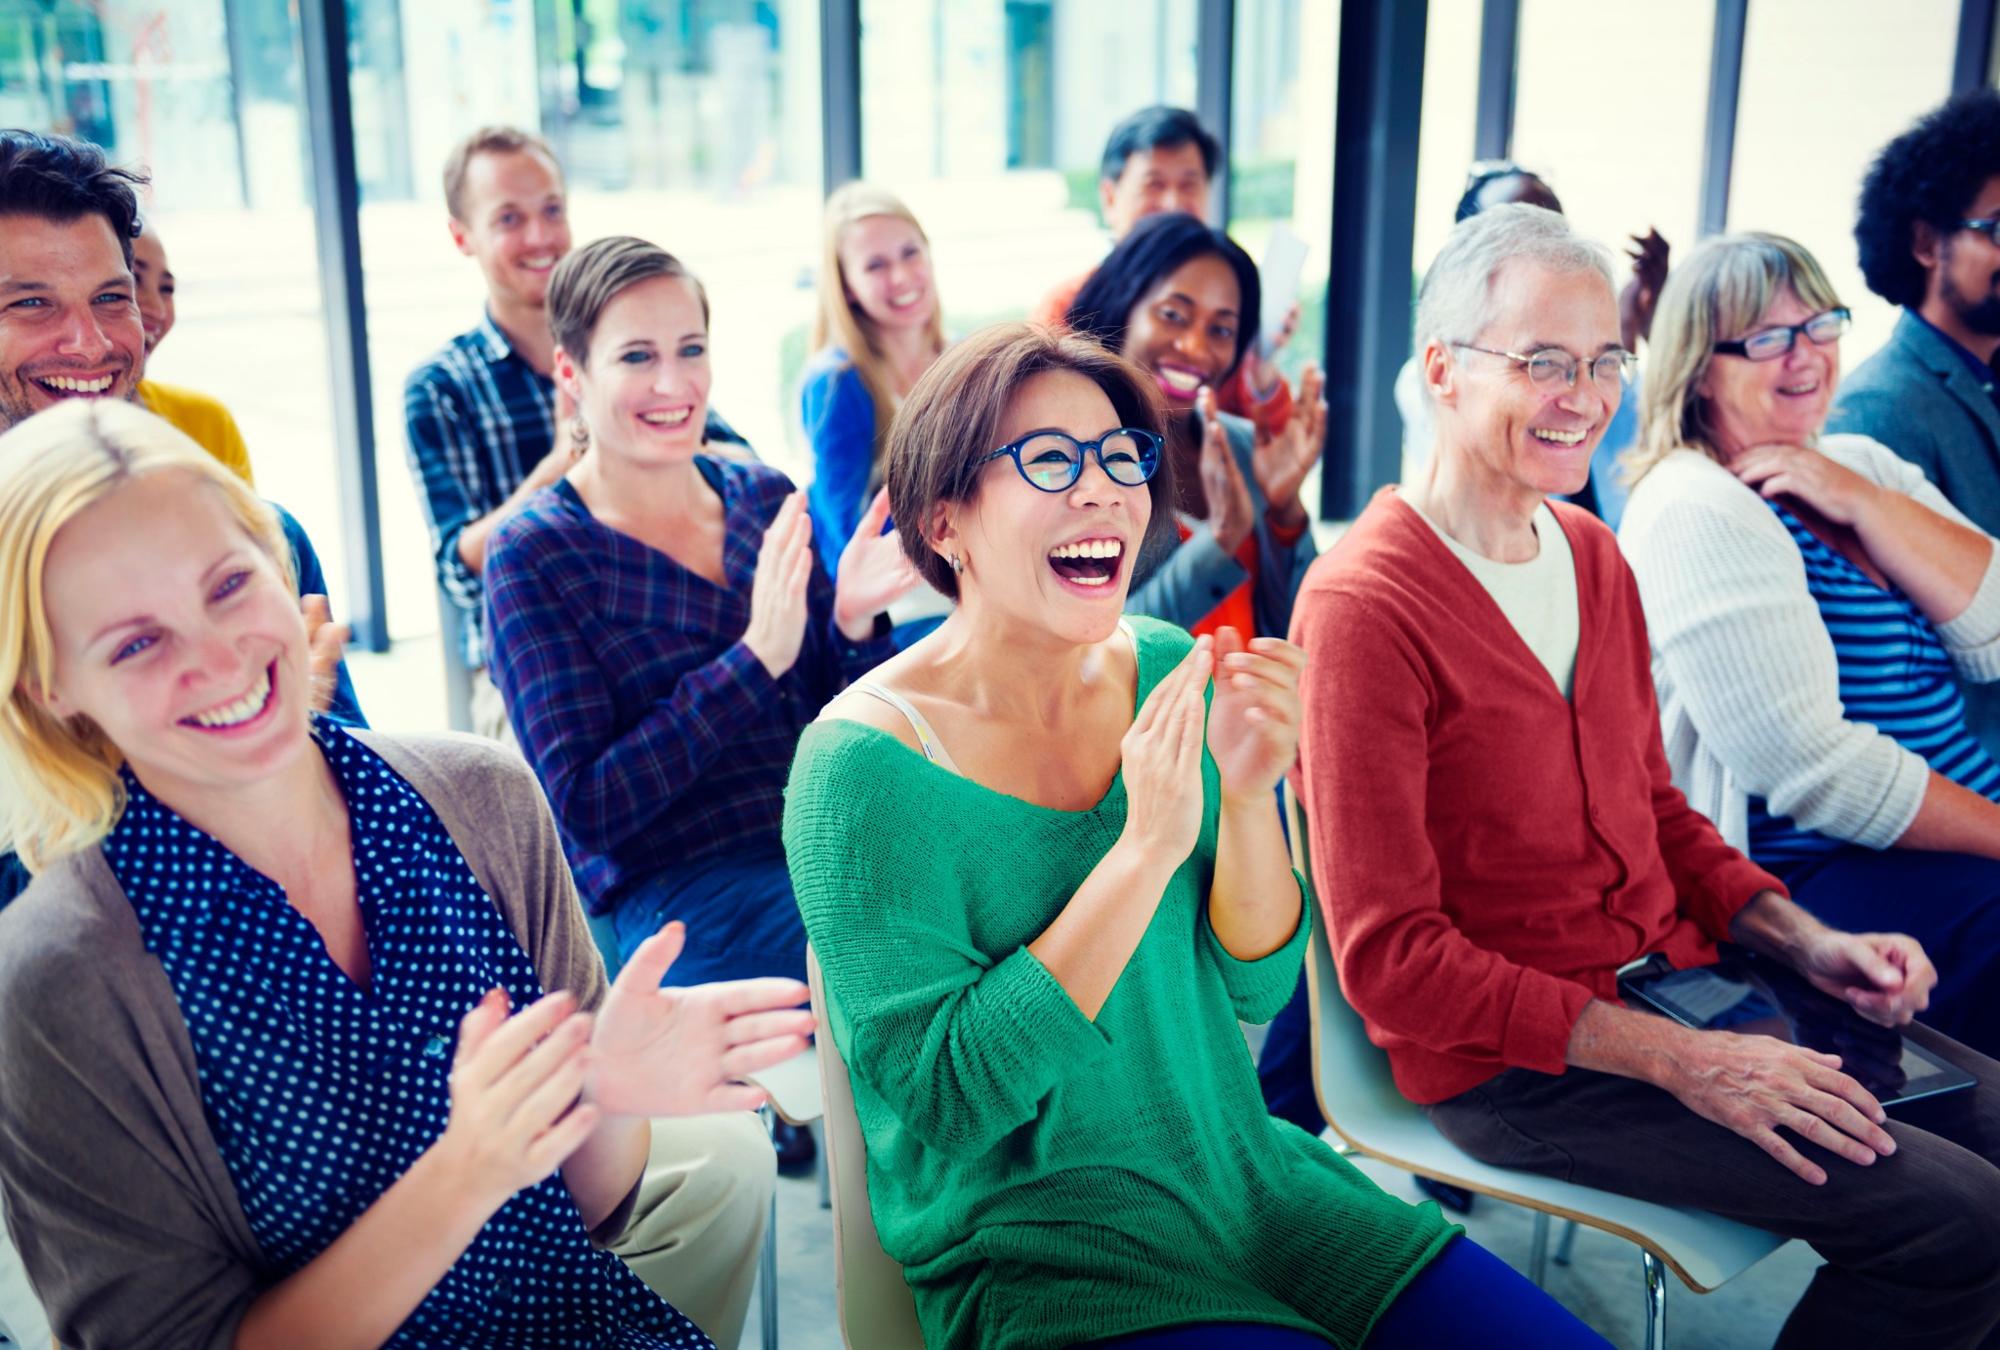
988, 117
1619, 140
1445, 131
1826, 83
1281, 144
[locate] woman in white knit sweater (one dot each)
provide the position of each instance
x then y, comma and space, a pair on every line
1812, 602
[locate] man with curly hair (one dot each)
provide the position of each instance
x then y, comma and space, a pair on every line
1928, 228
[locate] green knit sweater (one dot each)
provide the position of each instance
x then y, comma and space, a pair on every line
1042, 1178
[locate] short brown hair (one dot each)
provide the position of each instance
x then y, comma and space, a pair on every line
489, 141
593, 276
953, 417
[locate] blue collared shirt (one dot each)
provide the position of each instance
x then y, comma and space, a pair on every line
322, 1093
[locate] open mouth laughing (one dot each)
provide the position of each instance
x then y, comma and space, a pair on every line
244, 710
1088, 564
60, 387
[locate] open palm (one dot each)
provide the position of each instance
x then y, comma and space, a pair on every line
1253, 719
681, 1052
1281, 462
874, 572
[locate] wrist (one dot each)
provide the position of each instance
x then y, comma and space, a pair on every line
1288, 514
1144, 859
455, 1189
1775, 926
856, 629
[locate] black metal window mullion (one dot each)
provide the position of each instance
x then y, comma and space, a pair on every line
1499, 53
1725, 84
1215, 72
839, 91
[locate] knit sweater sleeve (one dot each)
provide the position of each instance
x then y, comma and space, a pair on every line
1736, 635
1259, 989
1404, 964
1972, 636
962, 1049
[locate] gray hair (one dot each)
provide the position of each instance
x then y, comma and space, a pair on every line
1454, 303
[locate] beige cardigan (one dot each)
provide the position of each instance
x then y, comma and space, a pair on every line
114, 1188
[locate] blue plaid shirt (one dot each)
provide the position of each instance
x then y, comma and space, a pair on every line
657, 734
478, 419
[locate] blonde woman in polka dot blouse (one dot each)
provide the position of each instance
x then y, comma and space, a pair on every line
302, 1035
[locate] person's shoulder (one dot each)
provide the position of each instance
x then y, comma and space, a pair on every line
177, 402
756, 482
1688, 483
828, 365
1159, 643
1584, 531
68, 934
446, 368
1868, 457
452, 766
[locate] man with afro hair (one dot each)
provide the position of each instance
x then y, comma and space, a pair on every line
1928, 228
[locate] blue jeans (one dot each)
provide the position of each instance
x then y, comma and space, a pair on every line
1950, 902
1467, 1296
741, 918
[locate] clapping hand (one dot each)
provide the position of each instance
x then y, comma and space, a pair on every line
679, 1052
874, 572
326, 641
1161, 759
1231, 513
778, 606
1281, 462
515, 1085
1253, 721
1648, 253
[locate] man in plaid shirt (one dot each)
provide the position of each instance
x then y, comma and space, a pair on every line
486, 427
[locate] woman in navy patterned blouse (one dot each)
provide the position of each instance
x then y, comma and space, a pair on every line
262, 1077
660, 631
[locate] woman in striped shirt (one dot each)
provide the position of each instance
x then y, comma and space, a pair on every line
1814, 602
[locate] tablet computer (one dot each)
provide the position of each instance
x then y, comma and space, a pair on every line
1751, 995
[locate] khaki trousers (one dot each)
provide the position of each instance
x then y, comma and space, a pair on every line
697, 1229
489, 714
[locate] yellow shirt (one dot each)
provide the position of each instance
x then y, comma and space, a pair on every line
205, 421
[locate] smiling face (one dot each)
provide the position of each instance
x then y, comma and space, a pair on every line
69, 327
1536, 438
1053, 561
516, 224
154, 283
886, 267
1184, 333
175, 633
643, 390
1153, 182
1783, 402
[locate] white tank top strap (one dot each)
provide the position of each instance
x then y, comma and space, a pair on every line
933, 748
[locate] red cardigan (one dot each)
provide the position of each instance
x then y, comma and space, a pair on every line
1486, 852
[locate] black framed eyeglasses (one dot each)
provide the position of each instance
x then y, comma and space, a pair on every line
1986, 225
1053, 460
1552, 366
1768, 344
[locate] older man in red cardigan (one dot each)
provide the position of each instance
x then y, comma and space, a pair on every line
1496, 833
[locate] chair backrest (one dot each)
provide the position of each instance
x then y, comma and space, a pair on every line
876, 1309
1350, 1073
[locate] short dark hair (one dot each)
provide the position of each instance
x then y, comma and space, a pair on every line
1481, 176
61, 179
492, 140
1146, 257
591, 277
953, 415
1155, 128
1930, 173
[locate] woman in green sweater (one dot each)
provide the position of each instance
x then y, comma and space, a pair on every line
1042, 899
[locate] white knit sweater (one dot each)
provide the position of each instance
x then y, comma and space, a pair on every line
1749, 687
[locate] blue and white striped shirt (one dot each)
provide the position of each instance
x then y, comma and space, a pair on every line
1895, 675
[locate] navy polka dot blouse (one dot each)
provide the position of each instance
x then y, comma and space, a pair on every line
322, 1093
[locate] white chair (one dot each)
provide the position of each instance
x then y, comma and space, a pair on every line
877, 1311
793, 1088
1360, 1100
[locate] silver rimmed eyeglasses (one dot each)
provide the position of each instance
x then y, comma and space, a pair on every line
1552, 367
1053, 460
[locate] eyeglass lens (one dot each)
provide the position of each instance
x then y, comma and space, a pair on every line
1559, 367
1052, 461
1775, 342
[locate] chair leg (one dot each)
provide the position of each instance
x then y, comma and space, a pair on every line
825, 1178
1538, 1251
1656, 1302
1566, 1245
767, 1266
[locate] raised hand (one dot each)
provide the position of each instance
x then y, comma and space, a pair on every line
1755, 1085
778, 608
326, 641
1161, 754
1648, 253
874, 572
1835, 491
1253, 720
515, 1084
1231, 513
681, 1052
1281, 462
